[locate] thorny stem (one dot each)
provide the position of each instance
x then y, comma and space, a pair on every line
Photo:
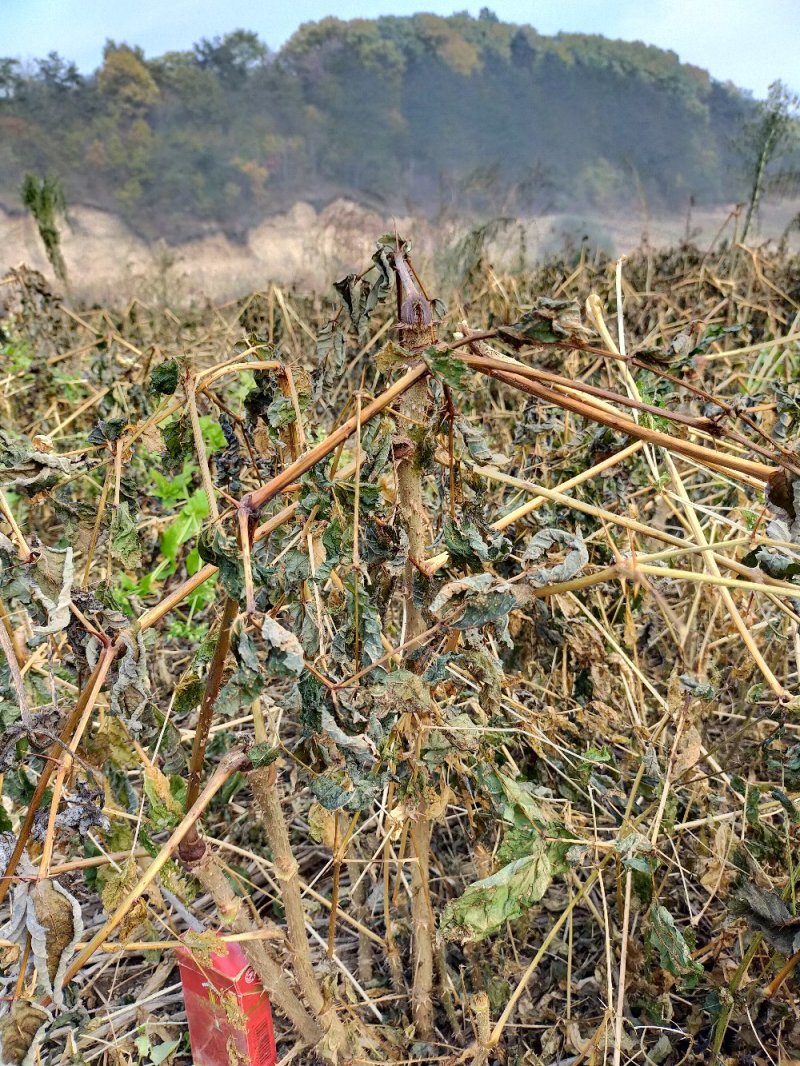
415, 320
263, 785
412, 510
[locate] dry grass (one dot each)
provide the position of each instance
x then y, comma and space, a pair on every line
644, 711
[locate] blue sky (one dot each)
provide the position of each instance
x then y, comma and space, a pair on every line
749, 42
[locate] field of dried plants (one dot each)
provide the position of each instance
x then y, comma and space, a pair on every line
441, 653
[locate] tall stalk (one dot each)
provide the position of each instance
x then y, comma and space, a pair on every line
416, 323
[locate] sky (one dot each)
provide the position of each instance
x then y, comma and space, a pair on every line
748, 42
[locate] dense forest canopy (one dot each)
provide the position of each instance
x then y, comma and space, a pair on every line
423, 113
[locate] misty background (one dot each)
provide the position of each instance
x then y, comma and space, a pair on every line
181, 136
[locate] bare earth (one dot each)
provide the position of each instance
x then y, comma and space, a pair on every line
307, 248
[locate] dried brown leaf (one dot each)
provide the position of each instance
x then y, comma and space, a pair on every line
51, 917
21, 1033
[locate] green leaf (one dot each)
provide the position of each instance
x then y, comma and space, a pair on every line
170, 490
548, 322
178, 444
262, 755
487, 905
285, 655
186, 526
164, 377
161, 1052
213, 434
125, 544
446, 366
108, 430
669, 942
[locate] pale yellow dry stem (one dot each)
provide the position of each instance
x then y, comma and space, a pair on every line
307, 890
733, 465
522, 984
65, 765
619, 1015
135, 947
697, 530
226, 768
79, 410
23, 550
733, 611
200, 450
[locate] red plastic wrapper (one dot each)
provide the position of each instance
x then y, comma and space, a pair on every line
229, 1013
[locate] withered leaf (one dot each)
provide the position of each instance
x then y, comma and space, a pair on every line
116, 885
125, 545
21, 1032
767, 913
548, 321
577, 556
51, 916
285, 656
25, 469
669, 942
58, 928
55, 571
487, 905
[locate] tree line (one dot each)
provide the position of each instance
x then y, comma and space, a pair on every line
425, 113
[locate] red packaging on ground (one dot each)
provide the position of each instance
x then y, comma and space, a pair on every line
229, 1013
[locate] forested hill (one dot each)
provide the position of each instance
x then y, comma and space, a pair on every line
423, 113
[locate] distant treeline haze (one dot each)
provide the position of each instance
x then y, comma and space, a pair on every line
408, 114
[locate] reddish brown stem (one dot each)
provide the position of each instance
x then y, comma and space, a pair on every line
213, 685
